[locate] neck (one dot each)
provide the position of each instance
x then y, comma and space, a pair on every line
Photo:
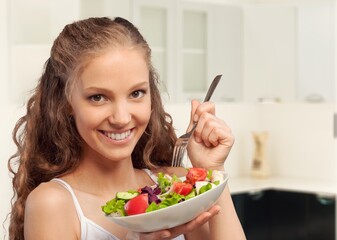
104, 177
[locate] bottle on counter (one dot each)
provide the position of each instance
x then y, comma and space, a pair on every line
260, 164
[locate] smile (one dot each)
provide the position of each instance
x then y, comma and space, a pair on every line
118, 136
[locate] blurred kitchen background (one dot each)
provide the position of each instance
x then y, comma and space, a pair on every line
278, 61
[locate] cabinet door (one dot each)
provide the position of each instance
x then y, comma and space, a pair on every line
253, 212
316, 52
280, 215
269, 52
102, 8
209, 43
288, 215
33, 27
257, 216
321, 217
193, 45
226, 50
155, 20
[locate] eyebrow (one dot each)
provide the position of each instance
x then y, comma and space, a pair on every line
141, 84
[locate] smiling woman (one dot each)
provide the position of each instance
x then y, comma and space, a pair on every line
95, 125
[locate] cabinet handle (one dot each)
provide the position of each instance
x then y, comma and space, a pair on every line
227, 99
314, 98
325, 199
256, 195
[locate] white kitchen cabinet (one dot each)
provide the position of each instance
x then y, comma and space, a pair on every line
191, 44
33, 27
289, 51
40, 21
194, 34
105, 8
316, 52
155, 20
281, 51
269, 53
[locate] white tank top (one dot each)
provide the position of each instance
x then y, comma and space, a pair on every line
89, 229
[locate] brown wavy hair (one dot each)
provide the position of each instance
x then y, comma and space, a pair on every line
48, 144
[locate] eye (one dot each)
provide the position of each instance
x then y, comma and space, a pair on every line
138, 93
97, 98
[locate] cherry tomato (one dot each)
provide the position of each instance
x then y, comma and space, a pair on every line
137, 205
196, 174
182, 188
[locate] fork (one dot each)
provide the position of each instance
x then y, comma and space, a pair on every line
182, 141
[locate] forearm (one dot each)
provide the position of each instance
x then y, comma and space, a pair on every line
226, 224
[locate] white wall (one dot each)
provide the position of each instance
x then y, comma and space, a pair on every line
6, 118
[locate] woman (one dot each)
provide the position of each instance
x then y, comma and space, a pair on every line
94, 122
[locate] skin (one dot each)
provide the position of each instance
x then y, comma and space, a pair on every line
112, 98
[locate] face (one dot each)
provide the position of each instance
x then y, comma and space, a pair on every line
111, 103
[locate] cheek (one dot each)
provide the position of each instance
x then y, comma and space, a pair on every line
147, 111
85, 119
82, 123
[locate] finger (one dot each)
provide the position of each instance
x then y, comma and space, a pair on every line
197, 222
210, 133
221, 134
194, 106
132, 236
206, 124
214, 210
205, 107
164, 234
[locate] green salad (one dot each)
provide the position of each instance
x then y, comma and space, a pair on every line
168, 191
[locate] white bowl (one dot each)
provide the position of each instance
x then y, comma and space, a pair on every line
174, 215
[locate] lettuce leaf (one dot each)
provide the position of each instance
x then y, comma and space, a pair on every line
114, 206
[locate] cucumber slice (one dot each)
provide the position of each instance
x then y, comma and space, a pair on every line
126, 195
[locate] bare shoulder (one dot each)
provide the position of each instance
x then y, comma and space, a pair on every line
48, 194
178, 171
50, 204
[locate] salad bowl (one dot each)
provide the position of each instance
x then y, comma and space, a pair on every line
174, 215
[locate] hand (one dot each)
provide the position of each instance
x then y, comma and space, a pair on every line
212, 139
176, 231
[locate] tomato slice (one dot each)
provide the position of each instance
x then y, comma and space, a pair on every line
182, 188
196, 174
137, 205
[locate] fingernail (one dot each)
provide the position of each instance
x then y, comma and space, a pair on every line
165, 235
195, 118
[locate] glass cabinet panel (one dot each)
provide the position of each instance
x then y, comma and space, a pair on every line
195, 74
194, 32
153, 24
90, 8
29, 22
153, 27
194, 51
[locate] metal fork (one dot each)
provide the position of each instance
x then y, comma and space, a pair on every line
182, 141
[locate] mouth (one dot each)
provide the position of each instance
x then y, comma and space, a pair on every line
117, 136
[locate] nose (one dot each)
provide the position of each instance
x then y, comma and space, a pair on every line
120, 114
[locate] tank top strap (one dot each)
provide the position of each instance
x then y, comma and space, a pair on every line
71, 191
151, 175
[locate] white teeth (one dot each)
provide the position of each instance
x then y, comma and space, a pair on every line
118, 136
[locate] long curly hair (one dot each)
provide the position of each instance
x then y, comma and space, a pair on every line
48, 144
